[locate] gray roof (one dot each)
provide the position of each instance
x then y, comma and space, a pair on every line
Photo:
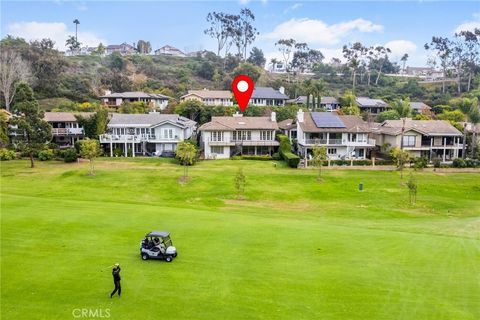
136, 95
365, 102
268, 93
419, 106
426, 127
323, 100
161, 234
149, 119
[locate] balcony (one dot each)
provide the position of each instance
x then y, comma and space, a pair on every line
132, 138
67, 131
323, 141
232, 142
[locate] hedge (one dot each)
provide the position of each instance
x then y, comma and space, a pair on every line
247, 157
6, 154
45, 155
292, 159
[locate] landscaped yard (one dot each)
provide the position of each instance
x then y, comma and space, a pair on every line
293, 249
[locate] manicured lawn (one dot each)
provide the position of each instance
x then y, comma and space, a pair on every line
293, 249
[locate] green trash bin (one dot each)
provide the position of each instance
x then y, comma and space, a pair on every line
360, 187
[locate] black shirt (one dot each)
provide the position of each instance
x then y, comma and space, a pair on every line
116, 274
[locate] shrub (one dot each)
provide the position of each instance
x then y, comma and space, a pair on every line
436, 163
118, 152
276, 156
6, 154
420, 162
459, 163
252, 157
70, 155
292, 159
45, 155
472, 163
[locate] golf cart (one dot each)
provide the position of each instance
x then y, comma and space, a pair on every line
157, 245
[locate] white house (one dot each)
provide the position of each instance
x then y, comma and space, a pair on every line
346, 137
266, 96
224, 137
210, 97
123, 48
154, 100
65, 128
170, 51
146, 134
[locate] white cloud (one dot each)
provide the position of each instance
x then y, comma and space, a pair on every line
400, 47
292, 7
318, 32
470, 25
57, 31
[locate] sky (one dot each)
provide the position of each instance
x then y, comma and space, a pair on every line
403, 26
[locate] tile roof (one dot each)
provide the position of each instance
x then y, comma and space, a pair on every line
209, 94
239, 123
136, 95
65, 116
352, 124
268, 93
149, 119
419, 106
427, 127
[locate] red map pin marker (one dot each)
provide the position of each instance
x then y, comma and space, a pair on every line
242, 87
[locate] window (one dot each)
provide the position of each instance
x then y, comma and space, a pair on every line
216, 150
409, 141
216, 136
242, 135
266, 135
332, 151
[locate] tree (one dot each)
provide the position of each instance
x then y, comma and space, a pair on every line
249, 69
472, 52
404, 60
349, 104
3, 128
470, 108
305, 58
441, 48
240, 182
388, 115
72, 43
186, 154
144, 47
32, 133
221, 28
207, 70
93, 125
354, 55
403, 108
412, 189
401, 157
100, 50
319, 156
90, 149
190, 109
380, 55
256, 57
13, 70
76, 29
286, 47
246, 30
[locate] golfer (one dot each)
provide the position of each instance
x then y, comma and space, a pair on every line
116, 280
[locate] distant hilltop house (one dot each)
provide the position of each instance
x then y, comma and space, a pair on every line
427, 73
200, 53
278, 67
146, 134
81, 52
327, 103
267, 96
170, 51
154, 100
421, 107
123, 49
210, 97
224, 137
371, 105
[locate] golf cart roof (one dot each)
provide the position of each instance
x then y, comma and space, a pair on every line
161, 234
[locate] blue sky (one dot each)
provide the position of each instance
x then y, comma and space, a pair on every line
404, 26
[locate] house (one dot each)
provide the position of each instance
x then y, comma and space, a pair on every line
224, 137
210, 97
201, 54
151, 133
345, 137
65, 128
288, 128
123, 49
278, 67
154, 100
327, 103
426, 73
266, 96
170, 51
421, 138
371, 105
420, 107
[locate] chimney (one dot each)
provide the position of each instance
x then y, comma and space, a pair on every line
107, 92
237, 115
273, 116
282, 90
300, 115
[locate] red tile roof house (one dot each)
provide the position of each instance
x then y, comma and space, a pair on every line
224, 137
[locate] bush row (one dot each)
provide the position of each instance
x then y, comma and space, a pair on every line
247, 157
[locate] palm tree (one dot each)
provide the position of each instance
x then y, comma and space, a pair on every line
403, 108
273, 63
471, 109
318, 87
76, 28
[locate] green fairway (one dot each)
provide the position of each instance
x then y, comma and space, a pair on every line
293, 249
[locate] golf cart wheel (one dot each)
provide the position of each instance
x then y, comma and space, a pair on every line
144, 256
169, 259
175, 255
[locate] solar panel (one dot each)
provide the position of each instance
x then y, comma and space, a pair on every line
327, 120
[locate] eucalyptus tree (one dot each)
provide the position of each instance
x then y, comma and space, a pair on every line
472, 52
404, 60
441, 48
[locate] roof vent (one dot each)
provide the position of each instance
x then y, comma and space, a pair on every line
241, 122
237, 115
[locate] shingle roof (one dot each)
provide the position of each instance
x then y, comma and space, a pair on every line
239, 123
136, 95
365, 102
419, 106
352, 124
323, 100
287, 124
209, 94
267, 93
427, 127
65, 116
149, 119
328, 100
